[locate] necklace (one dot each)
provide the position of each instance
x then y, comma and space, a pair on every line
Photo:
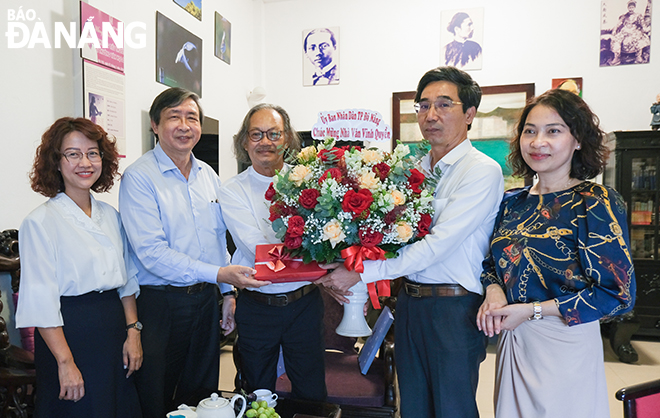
572, 182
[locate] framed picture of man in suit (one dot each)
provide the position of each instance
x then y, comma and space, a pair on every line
321, 56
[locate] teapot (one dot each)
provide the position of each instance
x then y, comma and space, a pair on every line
213, 407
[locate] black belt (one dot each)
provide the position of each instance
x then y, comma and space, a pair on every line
279, 299
191, 290
420, 290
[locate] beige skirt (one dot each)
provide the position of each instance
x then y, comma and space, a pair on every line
548, 369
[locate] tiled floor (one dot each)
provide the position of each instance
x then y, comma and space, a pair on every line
618, 374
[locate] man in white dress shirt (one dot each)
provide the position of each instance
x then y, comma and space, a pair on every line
438, 345
289, 315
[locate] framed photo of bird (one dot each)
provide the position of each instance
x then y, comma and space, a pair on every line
222, 38
178, 56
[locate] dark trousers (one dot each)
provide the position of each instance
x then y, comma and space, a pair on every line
298, 328
438, 352
181, 344
95, 330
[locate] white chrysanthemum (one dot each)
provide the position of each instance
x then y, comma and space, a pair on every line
385, 202
353, 161
401, 151
425, 198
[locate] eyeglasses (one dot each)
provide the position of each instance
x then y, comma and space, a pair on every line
257, 134
76, 156
443, 104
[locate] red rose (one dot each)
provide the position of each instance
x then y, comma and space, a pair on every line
424, 225
392, 215
279, 209
308, 198
331, 156
296, 226
270, 193
275, 212
357, 202
351, 147
292, 242
334, 173
415, 180
369, 237
381, 170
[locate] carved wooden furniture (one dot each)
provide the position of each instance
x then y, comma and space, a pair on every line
17, 375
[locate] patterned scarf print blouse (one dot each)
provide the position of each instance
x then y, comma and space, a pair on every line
572, 246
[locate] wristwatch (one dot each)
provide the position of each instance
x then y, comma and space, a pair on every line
538, 312
137, 325
233, 293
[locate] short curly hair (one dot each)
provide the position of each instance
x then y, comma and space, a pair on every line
240, 139
45, 177
590, 159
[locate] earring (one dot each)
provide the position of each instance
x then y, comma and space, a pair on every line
579, 146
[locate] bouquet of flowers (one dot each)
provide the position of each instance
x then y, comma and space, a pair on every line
350, 203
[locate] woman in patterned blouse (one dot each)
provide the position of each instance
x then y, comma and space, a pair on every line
559, 261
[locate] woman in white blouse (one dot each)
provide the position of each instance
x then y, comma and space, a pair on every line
75, 286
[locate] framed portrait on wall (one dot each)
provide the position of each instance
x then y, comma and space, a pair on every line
492, 128
320, 56
625, 32
461, 37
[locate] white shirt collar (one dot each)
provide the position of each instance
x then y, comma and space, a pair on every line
451, 158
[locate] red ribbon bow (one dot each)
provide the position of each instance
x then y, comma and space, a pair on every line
354, 258
278, 257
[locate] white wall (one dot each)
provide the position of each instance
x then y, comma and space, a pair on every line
39, 85
386, 46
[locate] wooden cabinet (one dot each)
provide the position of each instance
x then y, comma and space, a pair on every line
633, 170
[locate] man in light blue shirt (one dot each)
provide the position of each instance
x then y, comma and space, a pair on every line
168, 202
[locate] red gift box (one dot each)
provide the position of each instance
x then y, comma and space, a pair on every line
274, 265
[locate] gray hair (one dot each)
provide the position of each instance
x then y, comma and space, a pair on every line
292, 139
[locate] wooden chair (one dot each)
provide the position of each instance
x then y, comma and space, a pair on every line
641, 400
374, 395
17, 374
